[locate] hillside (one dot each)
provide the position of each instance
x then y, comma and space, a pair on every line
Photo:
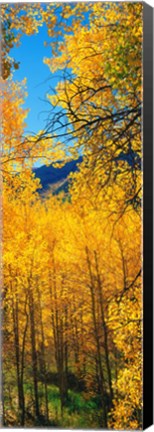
56, 179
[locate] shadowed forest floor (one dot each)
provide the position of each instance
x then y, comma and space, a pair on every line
78, 412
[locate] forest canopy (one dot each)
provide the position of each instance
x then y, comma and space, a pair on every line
72, 287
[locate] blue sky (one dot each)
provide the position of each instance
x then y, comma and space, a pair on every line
30, 54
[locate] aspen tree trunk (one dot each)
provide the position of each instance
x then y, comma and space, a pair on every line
116, 370
58, 353
82, 341
22, 360
62, 370
58, 331
66, 341
34, 353
101, 373
75, 351
43, 357
60, 366
21, 398
106, 345
53, 316
76, 331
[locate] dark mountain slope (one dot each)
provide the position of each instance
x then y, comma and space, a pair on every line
56, 179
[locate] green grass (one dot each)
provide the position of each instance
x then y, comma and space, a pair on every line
77, 413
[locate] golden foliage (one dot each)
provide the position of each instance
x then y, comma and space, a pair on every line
72, 296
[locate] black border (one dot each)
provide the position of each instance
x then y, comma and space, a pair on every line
147, 215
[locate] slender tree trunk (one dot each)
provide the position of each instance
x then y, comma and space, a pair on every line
106, 345
101, 374
76, 331
82, 342
66, 341
43, 357
53, 316
23, 359
63, 375
59, 342
34, 353
21, 399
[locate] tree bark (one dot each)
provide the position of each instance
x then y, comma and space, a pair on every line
34, 353
101, 374
43, 357
104, 329
21, 398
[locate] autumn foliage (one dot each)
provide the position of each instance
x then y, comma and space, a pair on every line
72, 283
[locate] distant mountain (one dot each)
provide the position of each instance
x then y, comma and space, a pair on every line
56, 179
